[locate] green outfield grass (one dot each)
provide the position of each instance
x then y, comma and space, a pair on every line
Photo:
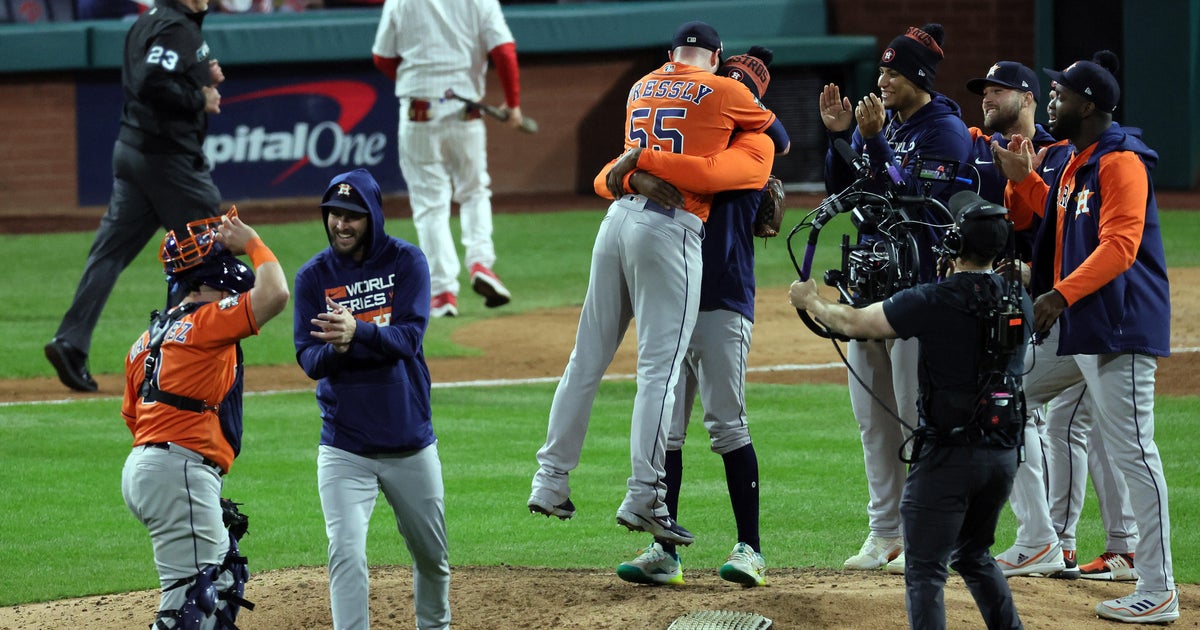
543, 258
67, 532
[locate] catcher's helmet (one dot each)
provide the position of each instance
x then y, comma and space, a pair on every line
198, 259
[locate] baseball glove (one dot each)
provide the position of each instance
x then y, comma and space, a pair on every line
770, 211
236, 522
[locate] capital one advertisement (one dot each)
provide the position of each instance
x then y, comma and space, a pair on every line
275, 136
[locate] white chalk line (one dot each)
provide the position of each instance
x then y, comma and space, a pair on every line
502, 382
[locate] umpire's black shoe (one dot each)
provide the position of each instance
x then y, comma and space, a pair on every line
71, 364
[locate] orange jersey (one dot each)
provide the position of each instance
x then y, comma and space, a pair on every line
683, 109
746, 165
197, 360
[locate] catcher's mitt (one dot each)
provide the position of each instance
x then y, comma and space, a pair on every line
770, 211
236, 522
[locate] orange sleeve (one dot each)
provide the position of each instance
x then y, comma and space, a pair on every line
1026, 199
976, 133
747, 113
601, 181
745, 165
1122, 217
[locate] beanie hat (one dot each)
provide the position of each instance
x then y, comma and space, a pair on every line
916, 54
750, 68
1094, 80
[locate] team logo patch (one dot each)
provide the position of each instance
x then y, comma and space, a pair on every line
344, 190
1081, 201
889, 55
228, 303
993, 70
736, 75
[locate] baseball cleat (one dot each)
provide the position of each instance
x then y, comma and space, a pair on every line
876, 552
485, 283
1115, 567
71, 365
1071, 570
1032, 561
896, 565
564, 510
744, 566
443, 305
654, 566
1141, 607
661, 527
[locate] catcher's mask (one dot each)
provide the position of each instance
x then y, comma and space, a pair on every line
198, 259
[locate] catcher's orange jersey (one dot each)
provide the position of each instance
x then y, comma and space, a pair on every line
684, 109
198, 360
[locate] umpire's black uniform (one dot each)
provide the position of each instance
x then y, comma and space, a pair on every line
160, 176
955, 491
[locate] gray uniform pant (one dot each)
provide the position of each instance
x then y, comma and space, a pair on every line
1048, 490
150, 192
646, 266
178, 499
412, 485
1122, 388
715, 365
889, 369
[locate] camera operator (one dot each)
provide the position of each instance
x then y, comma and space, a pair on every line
906, 123
972, 330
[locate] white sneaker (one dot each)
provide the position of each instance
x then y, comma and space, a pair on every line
876, 551
653, 566
896, 566
1042, 561
744, 566
1142, 607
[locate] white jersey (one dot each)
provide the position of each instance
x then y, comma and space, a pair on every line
442, 44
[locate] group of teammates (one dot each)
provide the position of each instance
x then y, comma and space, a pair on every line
1090, 251
671, 300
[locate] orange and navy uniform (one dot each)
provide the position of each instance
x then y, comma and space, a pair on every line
683, 109
199, 360
1106, 255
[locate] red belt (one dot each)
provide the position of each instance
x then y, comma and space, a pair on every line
418, 111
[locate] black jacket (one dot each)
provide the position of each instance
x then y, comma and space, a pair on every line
166, 65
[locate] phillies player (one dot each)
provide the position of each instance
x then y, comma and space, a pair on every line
646, 266
362, 306
186, 414
428, 47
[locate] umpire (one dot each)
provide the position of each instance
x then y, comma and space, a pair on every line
160, 176
972, 331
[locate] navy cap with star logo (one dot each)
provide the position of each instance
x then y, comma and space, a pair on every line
344, 196
1009, 74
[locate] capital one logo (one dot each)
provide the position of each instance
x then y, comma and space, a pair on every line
323, 143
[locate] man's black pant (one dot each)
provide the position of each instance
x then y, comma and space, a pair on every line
952, 500
150, 192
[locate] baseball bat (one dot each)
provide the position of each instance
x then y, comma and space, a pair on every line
528, 125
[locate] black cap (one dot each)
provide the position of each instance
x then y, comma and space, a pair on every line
984, 237
697, 34
1090, 80
1009, 74
344, 196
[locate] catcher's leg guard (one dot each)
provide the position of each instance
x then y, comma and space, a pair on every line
199, 604
232, 596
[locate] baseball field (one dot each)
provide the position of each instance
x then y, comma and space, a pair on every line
73, 556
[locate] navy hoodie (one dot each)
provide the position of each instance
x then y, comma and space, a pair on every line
375, 397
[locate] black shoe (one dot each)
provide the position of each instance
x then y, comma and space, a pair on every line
663, 528
564, 510
71, 365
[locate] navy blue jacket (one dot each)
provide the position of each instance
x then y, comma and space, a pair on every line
375, 397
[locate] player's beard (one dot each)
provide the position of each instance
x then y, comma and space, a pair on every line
1003, 118
1065, 125
351, 246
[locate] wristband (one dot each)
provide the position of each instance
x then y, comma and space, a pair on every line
259, 253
